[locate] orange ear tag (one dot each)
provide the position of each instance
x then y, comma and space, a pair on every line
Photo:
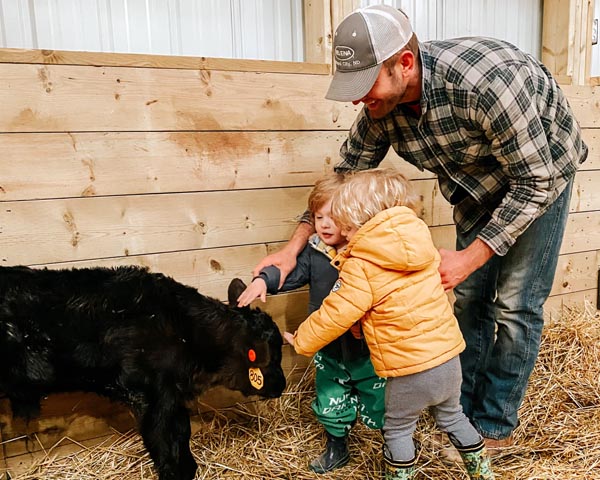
256, 378
251, 355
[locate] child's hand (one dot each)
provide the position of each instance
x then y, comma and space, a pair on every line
289, 337
258, 288
356, 330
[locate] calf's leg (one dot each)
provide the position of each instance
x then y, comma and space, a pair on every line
165, 429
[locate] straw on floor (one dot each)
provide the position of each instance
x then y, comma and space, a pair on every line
558, 438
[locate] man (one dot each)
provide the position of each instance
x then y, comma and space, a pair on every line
494, 126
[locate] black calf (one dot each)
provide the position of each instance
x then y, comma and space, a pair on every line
134, 336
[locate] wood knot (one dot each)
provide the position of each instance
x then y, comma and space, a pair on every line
216, 266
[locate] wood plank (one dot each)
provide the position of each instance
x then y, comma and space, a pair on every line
59, 98
595, 81
585, 102
554, 306
582, 233
49, 231
95, 164
210, 270
75, 415
102, 59
63, 230
51, 165
591, 137
576, 272
586, 194
564, 79
555, 39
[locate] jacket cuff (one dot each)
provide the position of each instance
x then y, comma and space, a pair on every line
271, 275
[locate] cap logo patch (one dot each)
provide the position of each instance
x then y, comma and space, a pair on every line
343, 53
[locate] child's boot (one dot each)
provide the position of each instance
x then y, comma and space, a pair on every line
399, 470
336, 455
477, 461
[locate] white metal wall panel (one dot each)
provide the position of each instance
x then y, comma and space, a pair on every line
262, 29
516, 21
15, 24
595, 66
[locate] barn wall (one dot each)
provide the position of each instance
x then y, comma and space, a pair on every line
196, 168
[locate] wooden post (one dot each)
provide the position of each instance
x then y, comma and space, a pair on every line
317, 31
321, 17
555, 39
566, 39
580, 42
341, 8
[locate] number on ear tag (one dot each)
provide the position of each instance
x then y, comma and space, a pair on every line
256, 378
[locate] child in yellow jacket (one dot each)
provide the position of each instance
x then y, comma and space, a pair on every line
389, 280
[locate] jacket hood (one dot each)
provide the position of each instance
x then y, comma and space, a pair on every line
393, 239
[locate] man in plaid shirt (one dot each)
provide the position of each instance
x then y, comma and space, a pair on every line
491, 122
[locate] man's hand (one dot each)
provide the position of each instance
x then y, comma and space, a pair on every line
257, 289
285, 259
456, 266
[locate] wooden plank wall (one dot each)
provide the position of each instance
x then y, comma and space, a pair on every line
195, 169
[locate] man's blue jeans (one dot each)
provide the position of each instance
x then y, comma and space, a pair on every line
500, 311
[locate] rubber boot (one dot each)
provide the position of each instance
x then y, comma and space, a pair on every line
477, 461
399, 470
336, 455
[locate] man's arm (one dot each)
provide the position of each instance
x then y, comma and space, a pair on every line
285, 259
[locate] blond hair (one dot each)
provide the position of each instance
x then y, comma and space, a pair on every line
323, 191
366, 193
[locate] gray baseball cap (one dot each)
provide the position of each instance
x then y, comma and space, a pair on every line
362, 42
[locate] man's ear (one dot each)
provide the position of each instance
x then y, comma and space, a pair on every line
236, 287
406, 61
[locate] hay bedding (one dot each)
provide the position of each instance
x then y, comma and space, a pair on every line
559, 435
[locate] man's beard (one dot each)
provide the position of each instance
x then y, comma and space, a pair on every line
387, 105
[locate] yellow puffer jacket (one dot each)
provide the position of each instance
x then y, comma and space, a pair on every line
389, 278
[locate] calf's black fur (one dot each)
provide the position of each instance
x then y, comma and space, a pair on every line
134, 336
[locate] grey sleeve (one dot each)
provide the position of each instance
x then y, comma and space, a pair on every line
271, 275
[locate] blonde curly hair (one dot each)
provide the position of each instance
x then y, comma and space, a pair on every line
364, 194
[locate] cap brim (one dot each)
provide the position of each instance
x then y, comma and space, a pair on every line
351, 86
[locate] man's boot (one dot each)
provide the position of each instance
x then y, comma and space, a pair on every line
399, 470
336, 455
477, 461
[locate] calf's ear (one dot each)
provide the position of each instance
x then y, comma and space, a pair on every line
236, 287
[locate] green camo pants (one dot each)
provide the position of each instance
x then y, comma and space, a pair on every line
345, 391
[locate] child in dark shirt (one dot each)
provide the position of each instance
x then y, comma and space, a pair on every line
346, 384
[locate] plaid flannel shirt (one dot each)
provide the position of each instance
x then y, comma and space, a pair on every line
494, 127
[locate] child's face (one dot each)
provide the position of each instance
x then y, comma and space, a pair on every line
326, 227
349, 232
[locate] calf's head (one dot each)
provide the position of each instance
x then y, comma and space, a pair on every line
256, 349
